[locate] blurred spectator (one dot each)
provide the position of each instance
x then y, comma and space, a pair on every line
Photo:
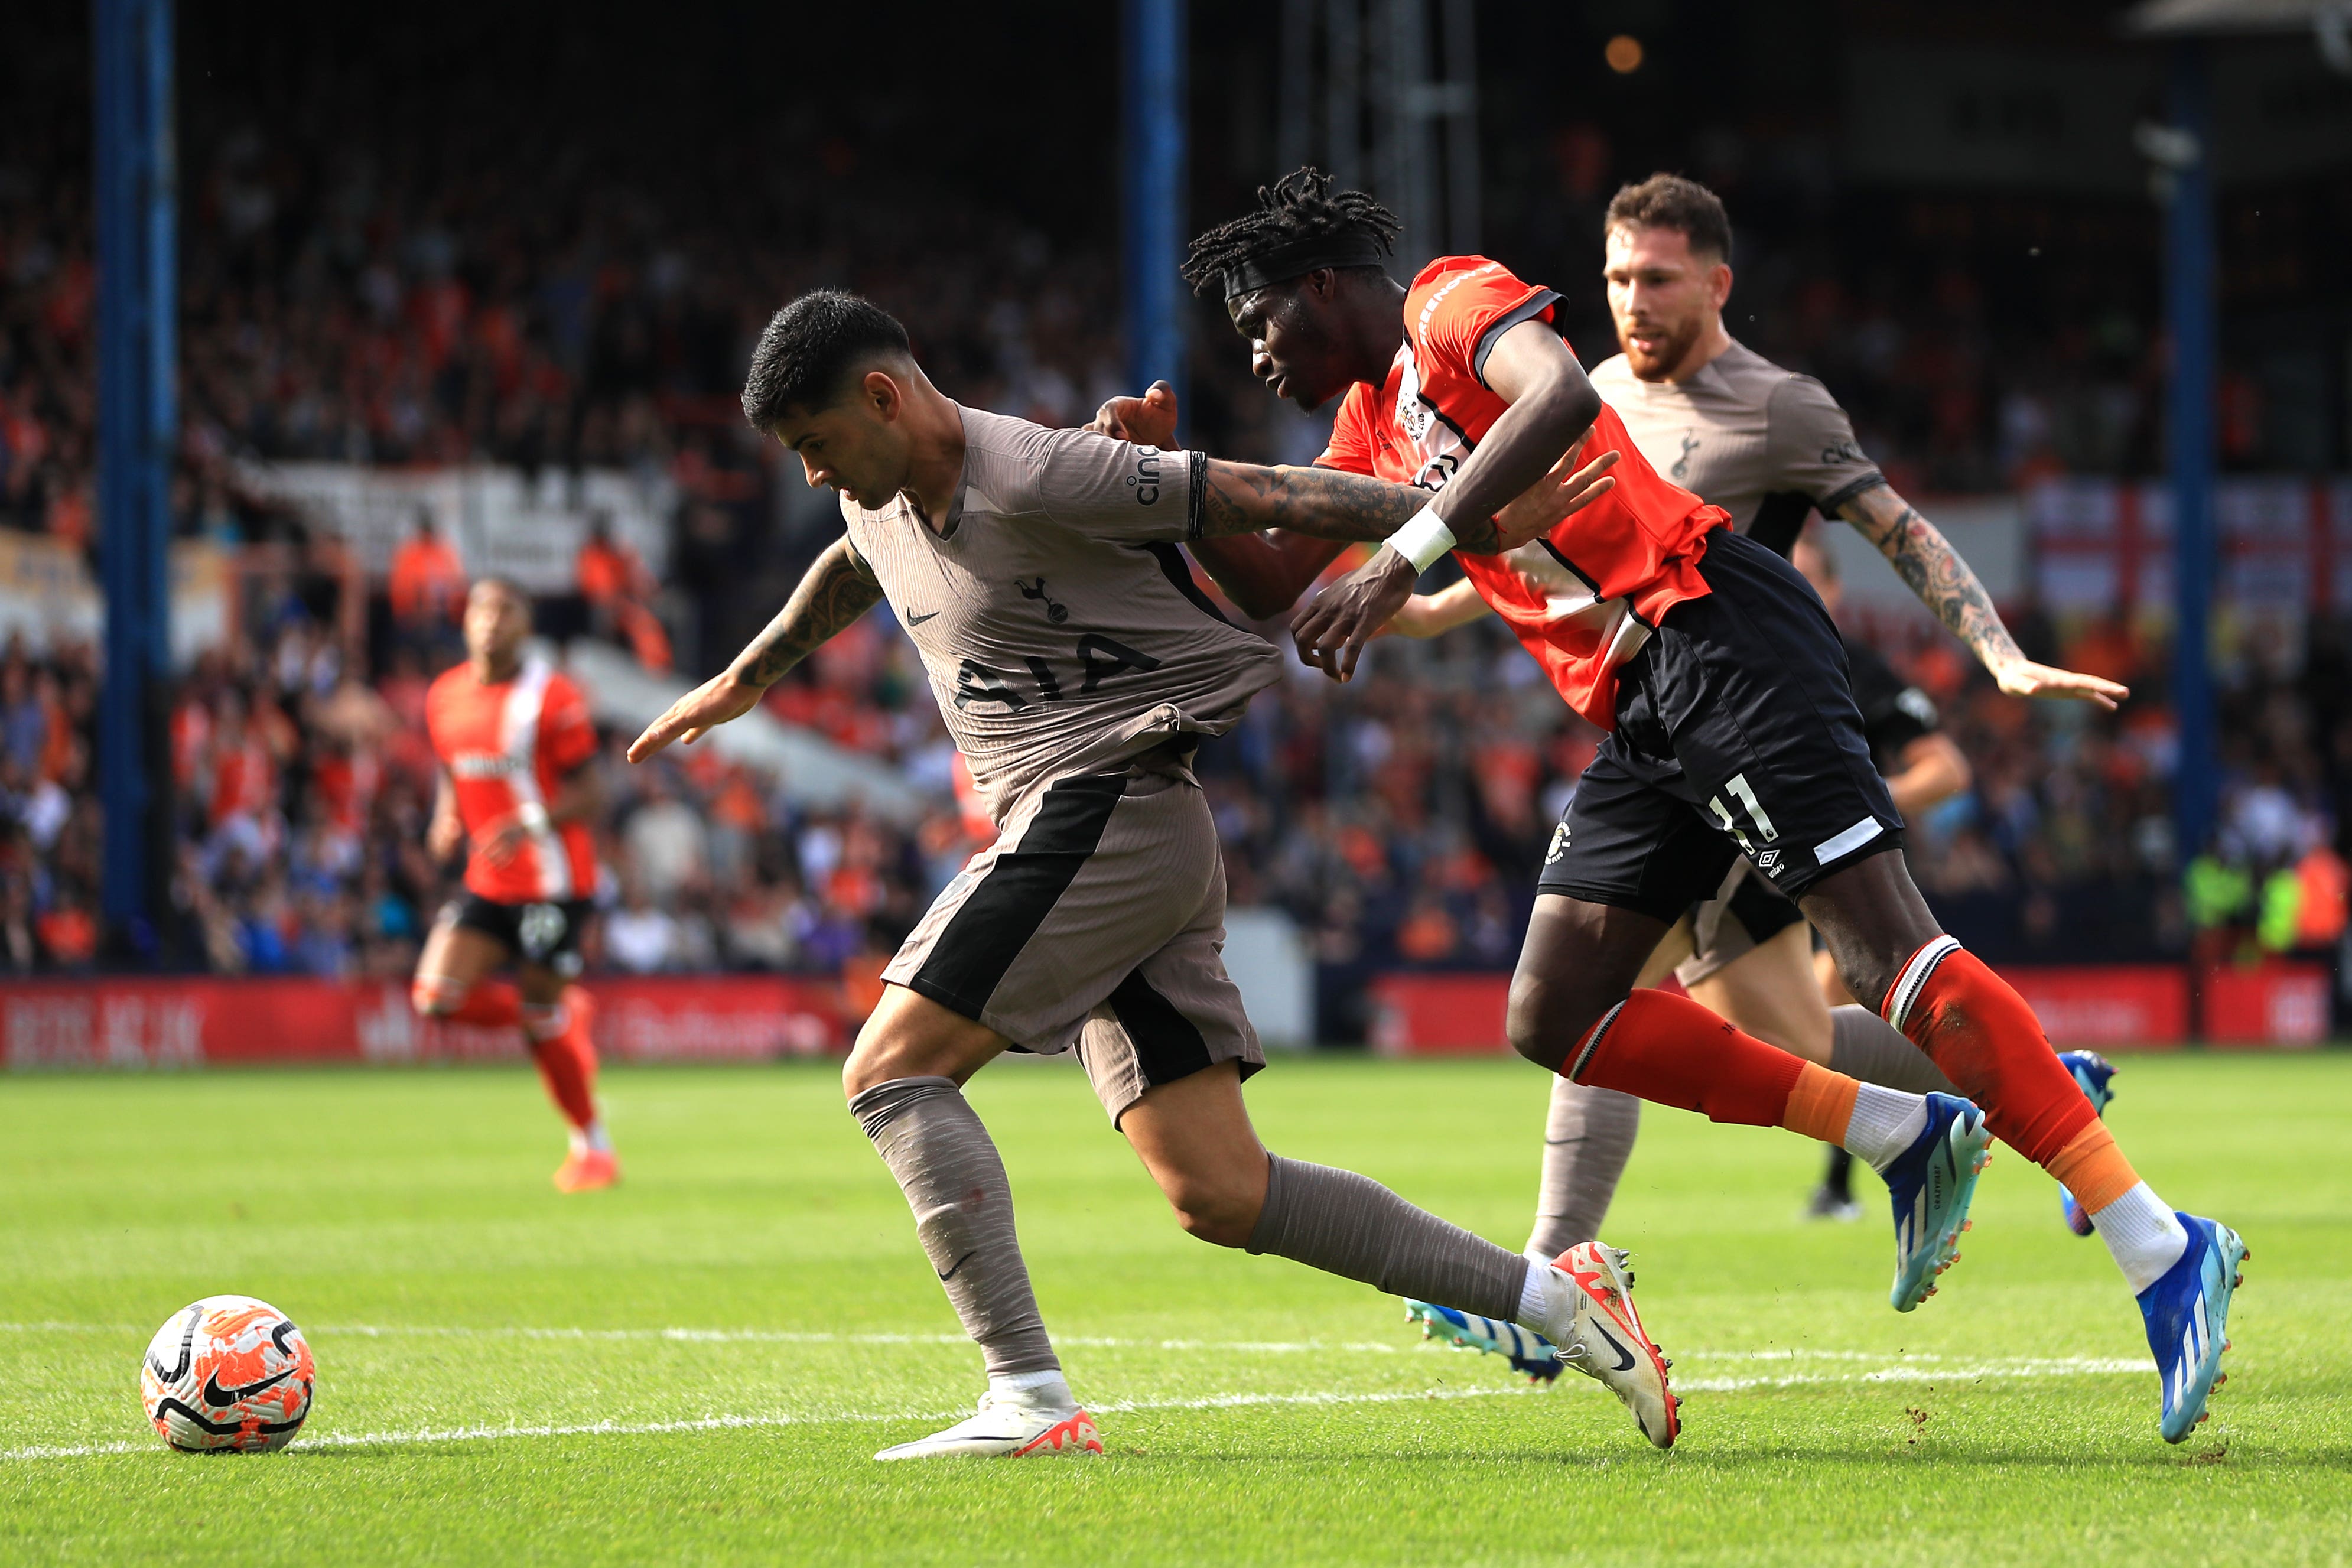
620, 591
428, 589
640, 936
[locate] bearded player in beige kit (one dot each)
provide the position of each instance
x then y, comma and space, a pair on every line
1076, 667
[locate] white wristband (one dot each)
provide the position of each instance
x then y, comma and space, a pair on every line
531, 817
1422, 539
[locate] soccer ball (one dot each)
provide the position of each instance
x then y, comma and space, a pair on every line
227, 1372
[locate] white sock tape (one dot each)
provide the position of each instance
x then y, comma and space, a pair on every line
1422, 539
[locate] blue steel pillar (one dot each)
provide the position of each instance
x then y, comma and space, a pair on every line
137, 425
2190, 318
1152, 189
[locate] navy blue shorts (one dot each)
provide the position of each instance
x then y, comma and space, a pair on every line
546, 933
1736, 733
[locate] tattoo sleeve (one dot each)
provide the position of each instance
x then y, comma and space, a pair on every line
837, 588
1243, 497
1925, 559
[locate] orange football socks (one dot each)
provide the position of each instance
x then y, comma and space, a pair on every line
566, 1058
1982, 1035
1669, 1050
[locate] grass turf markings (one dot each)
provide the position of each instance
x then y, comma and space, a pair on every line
384, 1198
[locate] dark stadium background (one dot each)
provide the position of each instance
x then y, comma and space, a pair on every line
541, 239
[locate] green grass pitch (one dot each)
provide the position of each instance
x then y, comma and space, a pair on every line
696, 1367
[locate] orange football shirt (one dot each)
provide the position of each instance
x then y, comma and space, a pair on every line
1584, 597
506, 744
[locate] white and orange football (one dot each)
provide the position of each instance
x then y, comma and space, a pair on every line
227, 1372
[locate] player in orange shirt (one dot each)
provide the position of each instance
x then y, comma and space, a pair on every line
1732, 730
514, 741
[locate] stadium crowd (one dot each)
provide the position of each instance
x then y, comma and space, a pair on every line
427, 301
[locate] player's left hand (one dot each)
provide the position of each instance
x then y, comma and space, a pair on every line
1332, 629
1150, 419
2023, 678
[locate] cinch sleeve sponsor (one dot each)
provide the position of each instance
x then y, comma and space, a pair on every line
1812, 445
1121, 491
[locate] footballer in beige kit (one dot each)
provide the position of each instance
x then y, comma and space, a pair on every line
1076, 667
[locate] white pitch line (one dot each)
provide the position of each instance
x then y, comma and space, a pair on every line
759, 1336
735, 1423
1896, 1366
2059, 1367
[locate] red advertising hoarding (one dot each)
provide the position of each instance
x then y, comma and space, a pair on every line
2101, 1007
2274, 1006
178, 1023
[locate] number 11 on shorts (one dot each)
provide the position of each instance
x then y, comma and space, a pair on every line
1737, 786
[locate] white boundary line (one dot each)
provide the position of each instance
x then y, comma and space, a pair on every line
1895, 1364
2075, 1366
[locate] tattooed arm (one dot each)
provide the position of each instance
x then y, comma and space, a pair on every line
1925, 559
1324, 503
838, 587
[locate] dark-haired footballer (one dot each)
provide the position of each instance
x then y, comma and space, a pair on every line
1770, 446
1732, 730
1077, 667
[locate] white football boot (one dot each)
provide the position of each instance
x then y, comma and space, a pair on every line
1589, 1314
1007, 1427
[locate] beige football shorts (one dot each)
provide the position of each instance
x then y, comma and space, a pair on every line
1094, 922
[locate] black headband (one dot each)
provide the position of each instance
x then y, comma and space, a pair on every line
1300, 257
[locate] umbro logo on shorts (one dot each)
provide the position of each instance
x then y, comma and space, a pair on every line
1769, 863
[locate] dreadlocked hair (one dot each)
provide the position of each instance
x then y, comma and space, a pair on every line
1299, 206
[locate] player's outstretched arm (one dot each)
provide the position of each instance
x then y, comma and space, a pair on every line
1323, 503
1264, 571
446, 834
1925, 559
1930, 771
1434, 615
837, 588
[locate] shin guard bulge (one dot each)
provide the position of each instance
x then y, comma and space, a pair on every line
1672, 1051
1985, 1040
948, 1166
1351, 1226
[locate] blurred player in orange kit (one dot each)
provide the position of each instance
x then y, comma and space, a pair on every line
514, 741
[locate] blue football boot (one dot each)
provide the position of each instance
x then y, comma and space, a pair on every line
2188, 1317
1531, 1355
1931, 1183
2091, 1072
